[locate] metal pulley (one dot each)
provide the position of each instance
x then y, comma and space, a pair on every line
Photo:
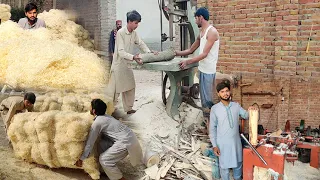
189, 91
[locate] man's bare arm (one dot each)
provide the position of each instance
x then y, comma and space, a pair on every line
212, 37
193, 47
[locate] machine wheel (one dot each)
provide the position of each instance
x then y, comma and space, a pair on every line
164, 89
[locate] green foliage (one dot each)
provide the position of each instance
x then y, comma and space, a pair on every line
17, 13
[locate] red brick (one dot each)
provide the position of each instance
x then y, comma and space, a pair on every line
240, 16
265, 5
265, 14
269, 19
305, 1
289, 38
222, 4
311, 5
291, 7
290, 28
251, 6
288, 58
290, 17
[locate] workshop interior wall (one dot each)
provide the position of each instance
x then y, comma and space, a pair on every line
265, 42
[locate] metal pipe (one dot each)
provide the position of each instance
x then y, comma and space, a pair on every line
171, 20
160, 3
254, 150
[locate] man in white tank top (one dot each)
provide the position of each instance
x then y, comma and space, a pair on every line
208, 41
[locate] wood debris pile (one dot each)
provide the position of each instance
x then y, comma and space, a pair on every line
183, 159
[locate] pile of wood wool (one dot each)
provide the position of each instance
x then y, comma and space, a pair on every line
53, 138
33, 59
62, 101
62, 25
5, 12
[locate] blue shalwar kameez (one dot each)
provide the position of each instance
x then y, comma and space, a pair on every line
224, 134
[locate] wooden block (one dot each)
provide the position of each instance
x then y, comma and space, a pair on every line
253, 127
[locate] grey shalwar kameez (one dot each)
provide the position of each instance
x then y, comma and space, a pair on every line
122, 78
117, 141
224, 133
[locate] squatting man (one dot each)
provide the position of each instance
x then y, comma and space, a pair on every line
116, 141
16, 104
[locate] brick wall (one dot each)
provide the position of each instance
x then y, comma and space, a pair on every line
107, 18
15, 3
264, 42
87, 12
49, 4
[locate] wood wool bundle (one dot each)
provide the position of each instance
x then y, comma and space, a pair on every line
30, 61
77, 102
5, 12
61, 24
165, 55
53, 138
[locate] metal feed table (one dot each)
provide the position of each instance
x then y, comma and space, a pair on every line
176, 75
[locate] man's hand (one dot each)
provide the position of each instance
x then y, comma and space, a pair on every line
137, 59
155, 52
79, 163
216, 151
183, 64
252, 108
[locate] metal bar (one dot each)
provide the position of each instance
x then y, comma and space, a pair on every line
254, 150
171, 22
161, 31
178, 12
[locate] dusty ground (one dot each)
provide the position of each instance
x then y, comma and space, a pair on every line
150, 118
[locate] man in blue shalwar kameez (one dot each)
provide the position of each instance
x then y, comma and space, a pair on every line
224, 132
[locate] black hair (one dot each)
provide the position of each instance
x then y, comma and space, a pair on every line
133, 16
225, 83
99, 106
30, 6
31, 97
202, 12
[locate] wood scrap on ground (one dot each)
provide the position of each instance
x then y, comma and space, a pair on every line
183, 159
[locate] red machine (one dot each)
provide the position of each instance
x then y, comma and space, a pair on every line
274, 161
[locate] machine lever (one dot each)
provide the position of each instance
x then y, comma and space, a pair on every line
253, 149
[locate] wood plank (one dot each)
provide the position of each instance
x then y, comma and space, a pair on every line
166, 169
253, 126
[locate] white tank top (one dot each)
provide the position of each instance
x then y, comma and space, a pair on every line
208, 65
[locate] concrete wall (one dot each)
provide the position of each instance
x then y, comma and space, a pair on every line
265, 41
